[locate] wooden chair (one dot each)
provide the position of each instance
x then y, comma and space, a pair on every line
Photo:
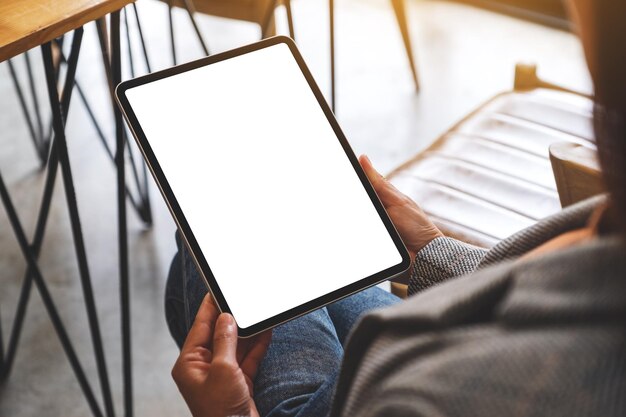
576, 171
255, 11
260, 12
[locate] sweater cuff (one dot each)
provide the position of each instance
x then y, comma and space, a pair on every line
443, 258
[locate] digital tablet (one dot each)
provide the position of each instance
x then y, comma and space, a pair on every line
263, 185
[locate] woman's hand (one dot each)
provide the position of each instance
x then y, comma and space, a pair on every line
214, 371
414, 227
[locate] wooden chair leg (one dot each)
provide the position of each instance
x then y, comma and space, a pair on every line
292, 32
268, 24
400, 10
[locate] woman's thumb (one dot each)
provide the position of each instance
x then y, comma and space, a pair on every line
372, 175
225, 339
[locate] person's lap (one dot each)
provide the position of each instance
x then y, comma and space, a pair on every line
297, 375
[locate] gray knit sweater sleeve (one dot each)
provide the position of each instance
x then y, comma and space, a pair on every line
442, 259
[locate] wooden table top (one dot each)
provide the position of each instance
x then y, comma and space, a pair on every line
25, 24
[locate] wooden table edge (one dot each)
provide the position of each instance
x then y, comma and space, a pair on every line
41, 35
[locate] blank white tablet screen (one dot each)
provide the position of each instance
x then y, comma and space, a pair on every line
270, 195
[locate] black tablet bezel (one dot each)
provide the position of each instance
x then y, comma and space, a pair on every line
186, 231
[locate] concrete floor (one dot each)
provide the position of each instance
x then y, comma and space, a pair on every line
465, 55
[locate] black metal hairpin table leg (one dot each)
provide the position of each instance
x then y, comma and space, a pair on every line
60, 156
191, 13
28, 280
142, 204
47, 300
39, 233
59, 110
1, 347
143, 42
131, 61
35, 246
331, 9
66, 172
37, 241
116, 77
33, 93
36, 132
111, 56
170, 16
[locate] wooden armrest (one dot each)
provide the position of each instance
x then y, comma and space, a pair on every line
576, 171
526, 78
399, 289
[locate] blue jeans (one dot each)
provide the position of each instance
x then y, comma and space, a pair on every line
297, 376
